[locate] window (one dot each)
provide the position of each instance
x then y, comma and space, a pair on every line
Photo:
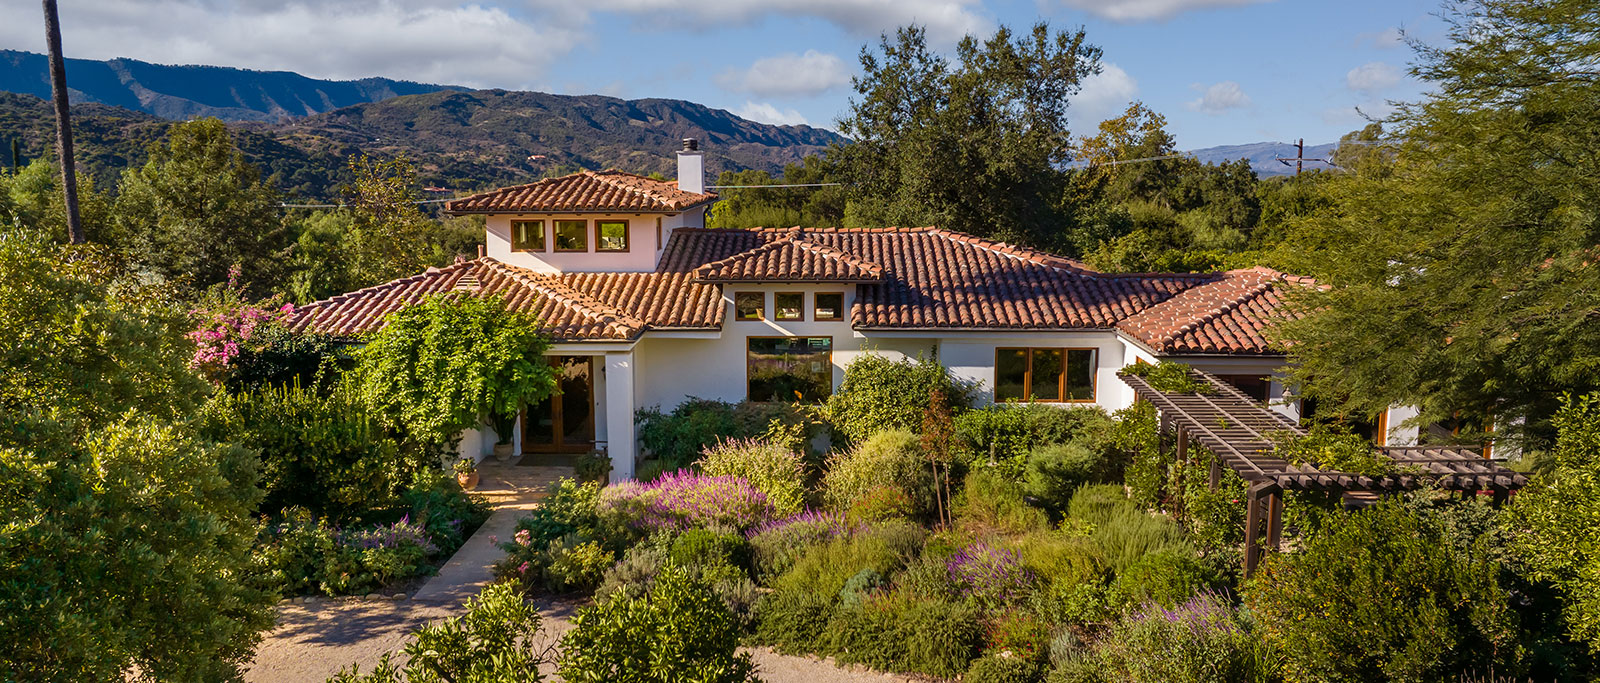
789, 306
527, 235
610, 235
1044, 375
830, 306
789, 368
749, 306
572, 235
1250, 385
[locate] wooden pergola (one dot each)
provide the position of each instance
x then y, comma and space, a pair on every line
1235, 428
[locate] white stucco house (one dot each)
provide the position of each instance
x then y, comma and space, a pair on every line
647, 307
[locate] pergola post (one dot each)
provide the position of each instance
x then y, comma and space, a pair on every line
1274, 520
1252, 533
1263, 507
1216, 472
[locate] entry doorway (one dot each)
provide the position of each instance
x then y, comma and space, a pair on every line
564, 422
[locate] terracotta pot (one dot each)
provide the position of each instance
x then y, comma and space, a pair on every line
502, 452
467, 480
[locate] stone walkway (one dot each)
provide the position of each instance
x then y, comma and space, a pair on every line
315, 640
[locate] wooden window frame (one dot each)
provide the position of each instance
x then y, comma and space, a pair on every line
776, 316
747, 341
761, 316
1027, 375
544, 235
627, 241
555, 236
838, 312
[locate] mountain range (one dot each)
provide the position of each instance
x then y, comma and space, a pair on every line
1264, 156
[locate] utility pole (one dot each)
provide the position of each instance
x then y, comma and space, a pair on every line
58, 92
1299, 157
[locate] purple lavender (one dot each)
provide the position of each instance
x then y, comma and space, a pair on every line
401, 533
811, 526
684, 499
992, 576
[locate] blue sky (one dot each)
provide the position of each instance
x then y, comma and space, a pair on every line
1221, 71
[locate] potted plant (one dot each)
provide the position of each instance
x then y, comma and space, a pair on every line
503, 426
467, 473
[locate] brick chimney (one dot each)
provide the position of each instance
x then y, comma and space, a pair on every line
691, 167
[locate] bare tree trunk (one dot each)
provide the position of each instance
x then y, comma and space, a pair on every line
58, 92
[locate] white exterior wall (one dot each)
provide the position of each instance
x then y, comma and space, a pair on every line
673, 366
643, 248
971, 357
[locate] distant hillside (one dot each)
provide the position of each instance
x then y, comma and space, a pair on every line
183, 92
459, 140
1263, 156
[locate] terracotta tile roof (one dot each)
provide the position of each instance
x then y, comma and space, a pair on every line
792, 258
937, 279
922, 278
573, 306
586, 191
1224, 316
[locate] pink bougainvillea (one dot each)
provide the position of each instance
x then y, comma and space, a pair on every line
226, 324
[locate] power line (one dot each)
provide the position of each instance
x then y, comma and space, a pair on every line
1092, 164
748, 187
345, 206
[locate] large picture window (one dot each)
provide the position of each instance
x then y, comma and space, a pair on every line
527, 235
1044, 375
610, 235
572, 235
790, 368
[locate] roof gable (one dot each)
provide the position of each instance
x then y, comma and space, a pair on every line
791, 258
1224, 316
611, 190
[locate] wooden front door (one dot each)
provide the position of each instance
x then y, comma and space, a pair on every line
564, 422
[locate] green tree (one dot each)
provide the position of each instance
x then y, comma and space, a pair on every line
496, 641
450, 362
196, 209
973, 146
32, 195
123, 535
1460, 261
780, 207
1556, 520
389, 236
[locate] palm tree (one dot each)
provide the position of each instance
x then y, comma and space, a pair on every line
58, 92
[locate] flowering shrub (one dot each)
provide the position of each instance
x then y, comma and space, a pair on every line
1204, 639
881, 503
301, 553
395, 535
684, 500
226, 324
989, 576
1015, 634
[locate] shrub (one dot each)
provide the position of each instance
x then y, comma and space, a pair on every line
1003, 435
990, 577
570, 508
496, 640
1055, 556
881, 504
677, 438
302, 553
773, 469
324, 452
1202, 641
631, 577
1214, 518
283, 358
991, 501
1019, 635
1129, 534
776, 545
888, 458
1097, 504
794, 621
880, 394
678, 631
593, 466
824, 569
898, 631
1003, 667
685, 500
706, 547
448, 514
1166, 577
1056, 471
1380, 594
1136, 438
1170, 377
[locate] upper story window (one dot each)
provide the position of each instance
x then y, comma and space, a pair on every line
527, 235
1044, 375
610, 235
572, 235
829, 306
789, 306
749, 305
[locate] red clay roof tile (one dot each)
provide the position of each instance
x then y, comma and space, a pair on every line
586, 191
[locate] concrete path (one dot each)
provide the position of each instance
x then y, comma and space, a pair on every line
314, 641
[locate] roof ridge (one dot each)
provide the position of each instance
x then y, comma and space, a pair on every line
432, 270
1019, 252
606, 175
555, 288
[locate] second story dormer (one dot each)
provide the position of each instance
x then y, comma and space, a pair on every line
592, 221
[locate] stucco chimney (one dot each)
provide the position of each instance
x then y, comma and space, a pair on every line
691, 167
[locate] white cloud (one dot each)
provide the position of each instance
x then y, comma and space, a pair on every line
766, 113
946, 20
788, 75
1104, 95
1372, 77
1148, 10
467, 44
1219, 98
1388, 38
